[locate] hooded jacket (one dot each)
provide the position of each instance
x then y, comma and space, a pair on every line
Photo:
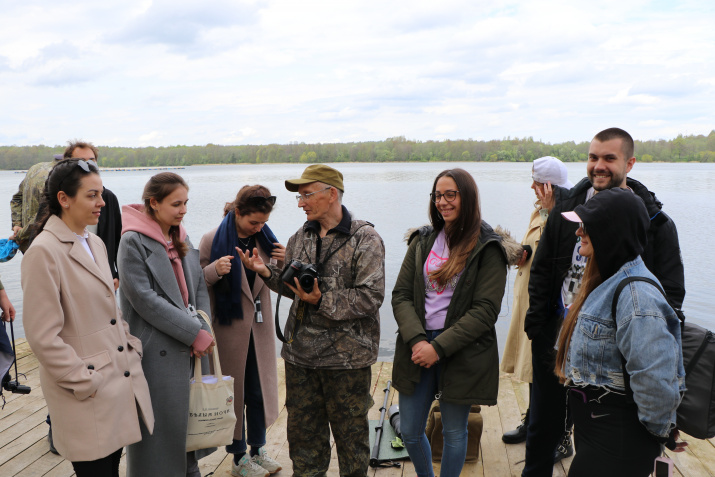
467, 348
646, 331
553, 257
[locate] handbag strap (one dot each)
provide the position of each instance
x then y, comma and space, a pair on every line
197, 360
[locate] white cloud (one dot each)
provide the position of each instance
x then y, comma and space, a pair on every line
275, 71
150, 138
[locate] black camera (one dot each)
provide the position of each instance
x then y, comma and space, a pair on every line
16, 388
306, 274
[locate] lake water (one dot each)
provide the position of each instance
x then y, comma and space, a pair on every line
395, 197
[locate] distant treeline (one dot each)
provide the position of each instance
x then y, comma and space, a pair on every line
397, 149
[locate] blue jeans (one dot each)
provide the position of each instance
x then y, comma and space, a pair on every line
414, 410
253, 401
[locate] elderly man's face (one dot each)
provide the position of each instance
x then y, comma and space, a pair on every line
315, 200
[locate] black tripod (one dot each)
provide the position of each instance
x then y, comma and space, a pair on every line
14, 386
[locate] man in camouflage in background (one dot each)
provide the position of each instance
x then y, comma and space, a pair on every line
335, 327
26, 201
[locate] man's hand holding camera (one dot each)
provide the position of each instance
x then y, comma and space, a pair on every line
313, 297
253, 261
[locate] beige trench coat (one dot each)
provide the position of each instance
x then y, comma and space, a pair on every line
83, 345
232, 340
517, 350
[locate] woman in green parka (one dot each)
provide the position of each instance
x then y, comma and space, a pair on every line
446, 302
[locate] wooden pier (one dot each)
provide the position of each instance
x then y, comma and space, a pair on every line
24, 451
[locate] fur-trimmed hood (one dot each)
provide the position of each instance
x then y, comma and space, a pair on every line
512, 248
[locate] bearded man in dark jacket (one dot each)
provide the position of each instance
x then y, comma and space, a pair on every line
555, 277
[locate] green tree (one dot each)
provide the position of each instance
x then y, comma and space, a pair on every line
308, 157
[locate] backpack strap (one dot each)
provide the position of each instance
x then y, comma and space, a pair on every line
679, 313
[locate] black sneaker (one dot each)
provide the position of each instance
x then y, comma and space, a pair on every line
565, 448
52, 444
519, 434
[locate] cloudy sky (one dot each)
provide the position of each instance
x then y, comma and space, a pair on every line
166, 72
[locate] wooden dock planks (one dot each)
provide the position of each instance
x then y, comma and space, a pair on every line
24, 451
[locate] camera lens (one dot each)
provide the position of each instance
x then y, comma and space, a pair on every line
306, 282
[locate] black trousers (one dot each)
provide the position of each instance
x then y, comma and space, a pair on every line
547, 408
104, 467
609, 438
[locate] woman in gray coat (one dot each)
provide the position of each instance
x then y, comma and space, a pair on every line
162, 286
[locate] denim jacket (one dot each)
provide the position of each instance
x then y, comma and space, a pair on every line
647, 334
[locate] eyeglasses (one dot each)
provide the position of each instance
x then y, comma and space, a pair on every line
449, 196
304, 197
259, 200
582, 226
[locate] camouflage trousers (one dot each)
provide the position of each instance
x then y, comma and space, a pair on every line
319, 400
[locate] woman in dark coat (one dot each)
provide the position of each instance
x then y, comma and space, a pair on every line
162, 285
446, 301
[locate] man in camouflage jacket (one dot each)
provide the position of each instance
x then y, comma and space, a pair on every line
335, 327
26, 201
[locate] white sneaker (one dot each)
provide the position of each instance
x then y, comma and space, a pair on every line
262, 459
247, 468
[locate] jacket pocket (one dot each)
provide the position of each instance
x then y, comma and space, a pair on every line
596, 329
145, 336
594, 346
97, 361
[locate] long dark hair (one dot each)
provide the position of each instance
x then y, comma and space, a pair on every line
66, 176
243, 206
158, 187
463, 234
591, 279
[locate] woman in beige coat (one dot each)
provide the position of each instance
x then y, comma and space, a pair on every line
245, 337
90, 366
517, 350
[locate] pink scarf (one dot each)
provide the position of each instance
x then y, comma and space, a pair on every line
134, 219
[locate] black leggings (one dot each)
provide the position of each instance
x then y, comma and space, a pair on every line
104, 467
609, 438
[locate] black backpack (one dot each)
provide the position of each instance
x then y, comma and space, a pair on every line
696, 412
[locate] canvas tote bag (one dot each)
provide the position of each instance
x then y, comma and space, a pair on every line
211, 414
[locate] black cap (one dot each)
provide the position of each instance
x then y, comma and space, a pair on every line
617, 223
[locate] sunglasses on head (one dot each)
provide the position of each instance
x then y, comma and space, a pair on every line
259, 200
87, 165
